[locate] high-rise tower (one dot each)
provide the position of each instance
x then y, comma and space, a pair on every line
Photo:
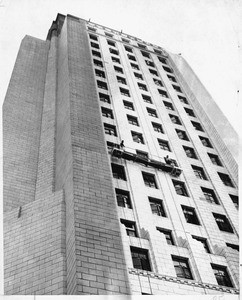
120, 171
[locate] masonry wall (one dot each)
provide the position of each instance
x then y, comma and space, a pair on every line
22, 111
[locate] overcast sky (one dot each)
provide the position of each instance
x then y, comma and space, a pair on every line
205, 32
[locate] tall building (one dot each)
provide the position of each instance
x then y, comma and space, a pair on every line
120, 173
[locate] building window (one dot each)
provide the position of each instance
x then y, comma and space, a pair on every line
141, 46
123, 198
149, 180
113, 51
183, 99
142, 154
147, 99
225, 179
104, 98
96, 53
199, 172
124, 92
118, 70
167, 69
150, 63
145, 54
168, 235
197, 126
137, 137
108, 34
151, 112
203, 241
153, 72
180, 188
111, 145
128, 105
140, 259
164, 94
157, 127
181, 267
190, 215
235, 200
177, 88
110, 129
221, 275
125, 40
115, 59
190, 112
128, 49
91, 29
172, 78
223, 223
215, 159
157, 51
131, 57
121, 80
232, 246
138, 76
111, 43
134, 66
107, 112
182, 135
157, 207
118, 172
162, 60
157, 82
98, 63
205, 142
164, 145
99, 73
94, 45
142, 87
93, 37
102, 85
168, 105
132, 120
130, 227
175, 119
209, 195
190, 152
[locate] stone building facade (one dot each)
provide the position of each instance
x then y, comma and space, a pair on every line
120, 171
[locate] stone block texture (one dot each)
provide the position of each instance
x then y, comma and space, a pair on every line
64, 230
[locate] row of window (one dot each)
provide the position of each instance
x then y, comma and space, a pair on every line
140, 258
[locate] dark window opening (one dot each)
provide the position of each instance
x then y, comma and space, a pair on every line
118, 172
190, 152
113, 51
94, 45
98, 63
123, 198
142, 46
111, 43
190, 112
182, 135
199, 172
177, 88
153, 72
157, 127
118, 70
162, 60
152, 112
147, 99
225, 179
96, 53
215, 159
140, 259
100, 73
235, 200
149, 180
107, 112
164, 145
134, 66
150, 63
93, 37
157, 207
110, 129
168, 235
180, 188
167, 69
168, 105
221, 275
124, 92
132, 120
172, 78
223, 223
138, 76
130, 227
181, 267
183, 99
157, 82
108, 34
104, 98
91, 29
137, 137
128, 105
190, 215
145, 54
121, 80
232, 246
142, 154
131, 57
209, 195
164, 94
205, 142
102, 85
203, 241
115, 59
128, 49
142, 87
175, 119
197, 126
125, 40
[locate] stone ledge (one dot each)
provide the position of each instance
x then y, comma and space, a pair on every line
183, 281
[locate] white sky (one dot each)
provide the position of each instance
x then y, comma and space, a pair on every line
205, 32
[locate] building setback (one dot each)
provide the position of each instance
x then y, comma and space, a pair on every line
120, 173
